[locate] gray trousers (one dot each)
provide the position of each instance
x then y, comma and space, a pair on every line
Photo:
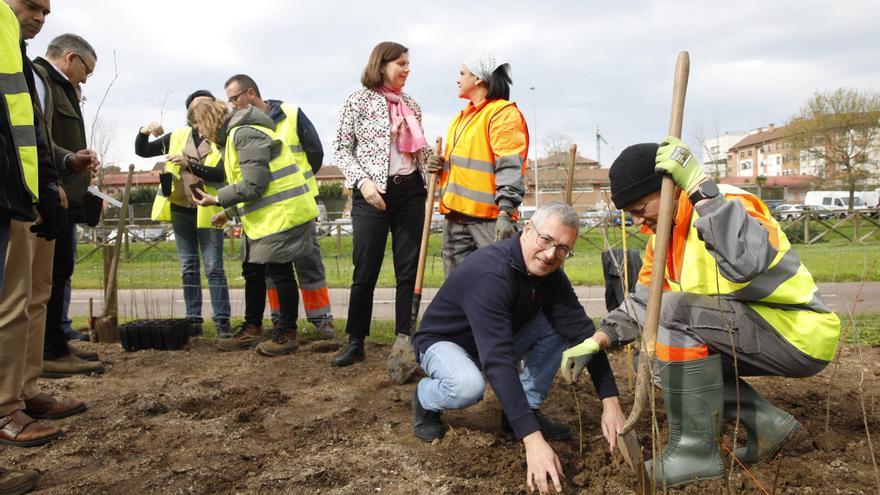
462, 239
729, 328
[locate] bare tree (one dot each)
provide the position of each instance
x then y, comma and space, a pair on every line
556, 144
839, 129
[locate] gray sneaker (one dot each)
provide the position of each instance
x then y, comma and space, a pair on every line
326, 330
224, 330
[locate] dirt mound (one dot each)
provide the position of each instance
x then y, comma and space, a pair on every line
200, 421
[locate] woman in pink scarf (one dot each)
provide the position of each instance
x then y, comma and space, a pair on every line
380, 148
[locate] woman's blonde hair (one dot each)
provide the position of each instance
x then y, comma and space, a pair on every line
384, 52
208, 114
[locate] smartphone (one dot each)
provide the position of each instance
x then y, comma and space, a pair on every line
194, 188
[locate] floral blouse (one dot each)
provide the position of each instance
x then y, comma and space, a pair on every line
362, 145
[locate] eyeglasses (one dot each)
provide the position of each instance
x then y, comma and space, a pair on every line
88, 69
234, 98
546, 242
637, 211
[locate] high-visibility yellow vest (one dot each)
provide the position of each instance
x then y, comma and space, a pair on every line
286, 131
162, 205
286, 202
467, 183
785, 295
19, 107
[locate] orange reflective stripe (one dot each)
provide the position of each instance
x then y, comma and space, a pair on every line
668, 353
315, 298
274, 302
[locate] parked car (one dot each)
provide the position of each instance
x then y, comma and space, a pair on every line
788, 212
821, 212
592, 218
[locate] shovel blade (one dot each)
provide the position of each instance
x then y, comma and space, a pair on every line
628, 445
402, 360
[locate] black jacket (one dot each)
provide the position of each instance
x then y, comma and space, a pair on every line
68, 132
486, 301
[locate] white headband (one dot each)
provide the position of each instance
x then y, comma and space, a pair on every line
483, 65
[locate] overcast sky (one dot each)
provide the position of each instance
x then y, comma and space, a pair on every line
606, 64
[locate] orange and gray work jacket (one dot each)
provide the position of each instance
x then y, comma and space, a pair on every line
486, 149
734, 248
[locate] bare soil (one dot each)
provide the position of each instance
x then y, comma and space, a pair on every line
205, 422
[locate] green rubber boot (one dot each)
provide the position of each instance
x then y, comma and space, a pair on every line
767, 426
693, 394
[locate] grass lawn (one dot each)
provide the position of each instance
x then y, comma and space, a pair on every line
833, 260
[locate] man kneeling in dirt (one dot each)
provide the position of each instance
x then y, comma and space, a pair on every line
737, 302
507, 302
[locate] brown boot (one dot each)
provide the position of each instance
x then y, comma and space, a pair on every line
285, 342
69, 365
83, 354
20, 430
18, 482
247, 337
44, 406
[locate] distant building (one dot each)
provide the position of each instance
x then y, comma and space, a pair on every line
114, 182
591, 189
715, 153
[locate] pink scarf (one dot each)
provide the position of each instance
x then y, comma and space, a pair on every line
404, 125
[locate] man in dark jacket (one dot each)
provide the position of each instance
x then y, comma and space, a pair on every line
68, 63
507, 302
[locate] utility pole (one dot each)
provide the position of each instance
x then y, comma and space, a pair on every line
535, 127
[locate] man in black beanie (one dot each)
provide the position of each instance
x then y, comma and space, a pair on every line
734, 290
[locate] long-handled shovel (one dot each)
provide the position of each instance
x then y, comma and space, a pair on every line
402, 360
627, 441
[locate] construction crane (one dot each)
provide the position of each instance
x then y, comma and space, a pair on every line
599, 140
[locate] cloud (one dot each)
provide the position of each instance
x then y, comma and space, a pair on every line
592, 64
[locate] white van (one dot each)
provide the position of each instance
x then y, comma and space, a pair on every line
833, 200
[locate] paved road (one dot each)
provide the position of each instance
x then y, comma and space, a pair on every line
155, 303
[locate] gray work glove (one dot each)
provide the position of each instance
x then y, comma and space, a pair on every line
435, 164
505, 227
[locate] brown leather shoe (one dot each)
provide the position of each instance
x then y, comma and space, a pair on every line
247, 337
20, 430
285, 342
18, 482
69, 365
44, 406
83, 354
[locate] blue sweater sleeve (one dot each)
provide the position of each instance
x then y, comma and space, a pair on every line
568, 317
489, 319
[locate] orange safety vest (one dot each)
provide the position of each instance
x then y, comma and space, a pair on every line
467, 181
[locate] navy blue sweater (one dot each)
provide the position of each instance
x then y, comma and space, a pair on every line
486, 301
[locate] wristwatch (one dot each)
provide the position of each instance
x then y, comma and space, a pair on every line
706, 190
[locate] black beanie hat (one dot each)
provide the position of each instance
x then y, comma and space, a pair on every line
632, 174
196, 94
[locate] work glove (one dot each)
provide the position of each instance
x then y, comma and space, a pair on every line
435, 164
505, 227
676, 159
576, 358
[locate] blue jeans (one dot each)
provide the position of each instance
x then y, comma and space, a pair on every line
455, 382
190, 242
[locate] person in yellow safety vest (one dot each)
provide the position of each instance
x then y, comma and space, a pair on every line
737, 302
29, 180
187, 154
298, 133
482, 169
268, 192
